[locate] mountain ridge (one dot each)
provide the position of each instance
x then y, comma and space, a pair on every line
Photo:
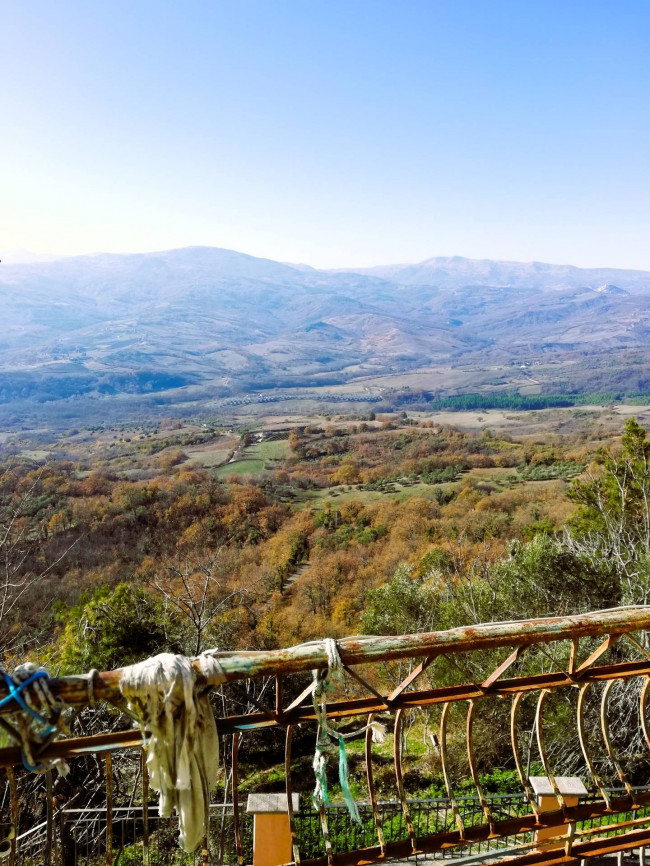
502, 272
431, 263
229, 322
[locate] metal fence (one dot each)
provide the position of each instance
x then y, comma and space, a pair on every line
427, 817
83, 837
595, 657
80, 835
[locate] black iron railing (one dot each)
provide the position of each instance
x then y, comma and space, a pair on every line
80, 834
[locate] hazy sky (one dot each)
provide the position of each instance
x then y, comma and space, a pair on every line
332, 133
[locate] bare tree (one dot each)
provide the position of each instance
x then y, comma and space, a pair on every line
197, 588
614, 523
472, 588
19, 542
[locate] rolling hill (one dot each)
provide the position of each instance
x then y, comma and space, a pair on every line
204, 321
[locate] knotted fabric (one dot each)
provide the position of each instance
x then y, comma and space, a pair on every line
182, 744
331, 741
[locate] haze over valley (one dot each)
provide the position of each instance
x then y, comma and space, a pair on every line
206, 323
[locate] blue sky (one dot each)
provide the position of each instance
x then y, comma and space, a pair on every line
332, 133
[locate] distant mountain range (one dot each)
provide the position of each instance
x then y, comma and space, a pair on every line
221, 322
454, 272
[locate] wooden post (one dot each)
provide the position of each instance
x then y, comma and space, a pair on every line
109, 809
49, 827
571, 789
236, 666
67, 843
272, 843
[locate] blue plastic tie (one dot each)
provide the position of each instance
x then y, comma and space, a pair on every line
37, 768
15, 694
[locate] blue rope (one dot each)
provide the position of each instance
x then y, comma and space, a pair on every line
15, 695
37, 768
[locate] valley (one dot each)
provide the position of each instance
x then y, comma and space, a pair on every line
270, 529
203, 329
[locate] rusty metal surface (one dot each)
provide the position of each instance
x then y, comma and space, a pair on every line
539, 733
514, 744
410, 679
296, 714
399, 777
131, 739
235, 799
431, 697
643, 702
604, 725
503, 667
371, 787
583, 851
287, 776
469, 745
367, 699
584, 745
445, 772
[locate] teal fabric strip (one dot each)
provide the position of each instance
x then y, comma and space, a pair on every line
344, 778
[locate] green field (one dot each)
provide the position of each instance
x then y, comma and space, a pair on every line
209, 457
262, 457
499, 477
401, 492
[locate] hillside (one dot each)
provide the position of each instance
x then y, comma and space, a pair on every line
126, 541
302, 521
200, 323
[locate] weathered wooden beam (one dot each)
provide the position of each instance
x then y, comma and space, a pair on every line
360, 650
132, 739
300, 713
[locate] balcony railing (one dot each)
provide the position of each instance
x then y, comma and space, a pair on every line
598, 664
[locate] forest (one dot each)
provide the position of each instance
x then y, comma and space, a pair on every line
116, 546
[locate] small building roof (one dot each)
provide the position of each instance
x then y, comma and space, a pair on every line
568, 786
271, 803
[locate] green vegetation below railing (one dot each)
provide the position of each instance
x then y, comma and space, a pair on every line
429, 816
